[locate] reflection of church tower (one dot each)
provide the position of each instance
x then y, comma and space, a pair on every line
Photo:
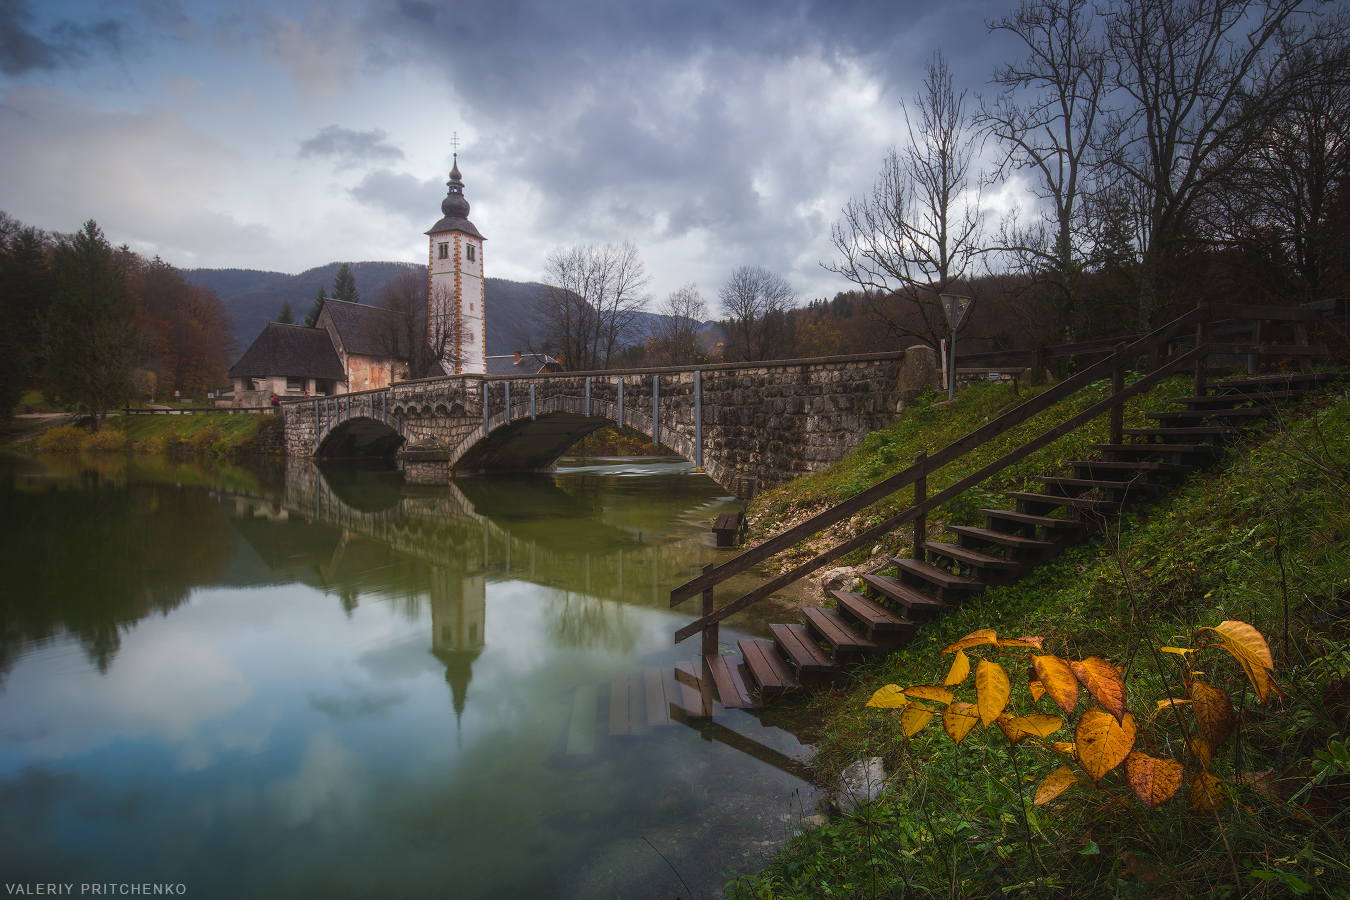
458, 612
455, 320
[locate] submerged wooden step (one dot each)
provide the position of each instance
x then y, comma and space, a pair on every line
627, 705
581, 729
696, 698
801, 650
731, 688
658, 707
911, 600
767, 667
832, 628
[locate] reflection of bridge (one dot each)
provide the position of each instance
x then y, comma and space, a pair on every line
751, 426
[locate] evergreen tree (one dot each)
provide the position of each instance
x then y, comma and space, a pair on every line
344, 285
286, 317
95, 345
313, 315
26, 287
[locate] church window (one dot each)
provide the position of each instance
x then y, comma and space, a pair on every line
471, 252
444, 251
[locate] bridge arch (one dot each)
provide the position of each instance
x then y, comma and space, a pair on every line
359, 435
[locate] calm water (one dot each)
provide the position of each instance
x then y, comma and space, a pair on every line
294, 682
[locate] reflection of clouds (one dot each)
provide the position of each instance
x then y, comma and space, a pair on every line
328, 790
248, 735
357, 703
589, 623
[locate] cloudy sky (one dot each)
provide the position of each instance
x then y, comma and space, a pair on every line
284, 135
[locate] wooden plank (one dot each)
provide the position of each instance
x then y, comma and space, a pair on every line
829, 625
674, 699
1021, 518
870, 535
1074, 502
1270, 349
972, 558
1130, 482
581, 731
637, 704
936, 575
1002, 538
952, 451
740, 676
767, 667
1275, 313
1245, 412
658, 714
795, 642
691, 694
618, 705
872, 614
727, 690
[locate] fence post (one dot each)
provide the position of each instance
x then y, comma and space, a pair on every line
508, 402
656, 409
698, 419
531, 399
920, 521
1117, 385
1038, 367
709, 631
1201, 364
588, 395
620, 401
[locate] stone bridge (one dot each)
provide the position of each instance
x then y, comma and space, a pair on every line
749, 426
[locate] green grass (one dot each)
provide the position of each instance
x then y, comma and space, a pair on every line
237, 432
34, 402
1271, 525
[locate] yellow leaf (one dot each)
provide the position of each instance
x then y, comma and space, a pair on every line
1206, 791
1103, 683
1261, 682
960, 669
929, 692
914, 718
1244, 642
1155, 781
889, 697
1200, 752
1024, 641
992, 690
974, 639
958, 720
1059, 681
1170, 702
1011, 730
1056, 783
1037, 690
1042, 725
1179, 651
1103, 743
1065, 748
1213, 712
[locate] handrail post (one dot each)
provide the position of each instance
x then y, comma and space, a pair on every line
1201, 364
1117, 385
709, 631
1038, 367
920, 521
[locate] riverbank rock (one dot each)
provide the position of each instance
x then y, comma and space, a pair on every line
862, 781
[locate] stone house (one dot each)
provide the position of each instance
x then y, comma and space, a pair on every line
362, 336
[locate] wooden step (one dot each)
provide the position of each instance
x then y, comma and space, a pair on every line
1246, 412
1186, 431
1156, 449
627, 705
1232, 397
731, 687
767, 667
831, 627
1284, 382
1128, 469
800, 649
1002, 538
696, 693
1021, 518
1079, 503
1088, 484
877, 619
658, 707
911, 600
968, 557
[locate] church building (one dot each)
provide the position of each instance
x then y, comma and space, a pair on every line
455, 319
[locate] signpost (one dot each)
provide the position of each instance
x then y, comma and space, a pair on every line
956, 307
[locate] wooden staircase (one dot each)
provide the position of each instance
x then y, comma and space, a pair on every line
1136, 465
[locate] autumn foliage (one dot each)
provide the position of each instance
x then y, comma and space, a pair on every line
1106, 737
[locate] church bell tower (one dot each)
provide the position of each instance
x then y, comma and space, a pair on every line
455, 314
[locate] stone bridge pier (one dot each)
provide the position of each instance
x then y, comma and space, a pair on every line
749, 426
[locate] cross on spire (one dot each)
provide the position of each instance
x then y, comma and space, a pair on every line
454, 142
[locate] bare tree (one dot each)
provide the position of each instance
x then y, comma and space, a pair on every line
755, 302
680, 317
429, 350
1046, 117
918, 233
1202, 86
592, 298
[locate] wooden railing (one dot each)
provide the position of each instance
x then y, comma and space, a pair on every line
1193, 327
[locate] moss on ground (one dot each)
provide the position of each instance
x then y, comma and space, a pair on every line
1262, 538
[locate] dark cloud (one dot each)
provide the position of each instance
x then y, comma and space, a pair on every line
68, 43
350, 148
20, 49
400, 194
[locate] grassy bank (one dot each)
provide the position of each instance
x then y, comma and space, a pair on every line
1262, 539
215, 434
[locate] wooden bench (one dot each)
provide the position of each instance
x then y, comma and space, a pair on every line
729, 527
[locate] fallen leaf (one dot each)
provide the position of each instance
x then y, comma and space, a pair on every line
1139, 867
1056, 783
1037, 690
1206, 791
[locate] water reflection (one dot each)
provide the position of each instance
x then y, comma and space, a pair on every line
238, 730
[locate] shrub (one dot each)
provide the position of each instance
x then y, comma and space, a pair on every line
105, 440
62, 439
205, 438
170, 443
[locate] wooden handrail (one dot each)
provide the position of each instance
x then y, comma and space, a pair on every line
936, 500
952, 451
